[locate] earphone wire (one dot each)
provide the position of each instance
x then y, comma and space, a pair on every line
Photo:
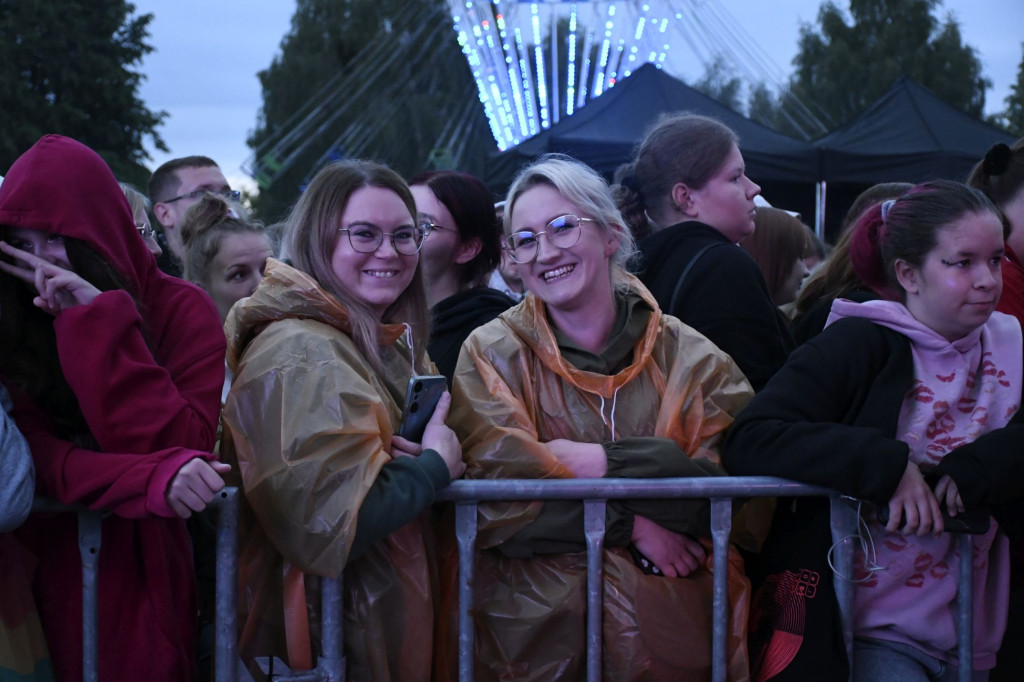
867, 546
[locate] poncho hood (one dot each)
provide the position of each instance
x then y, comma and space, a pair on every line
529, 322
288, 293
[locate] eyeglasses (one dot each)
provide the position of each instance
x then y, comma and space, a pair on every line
232, 194
429, 227
145, 230
563, 232
368, 238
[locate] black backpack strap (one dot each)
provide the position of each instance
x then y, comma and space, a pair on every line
685, 272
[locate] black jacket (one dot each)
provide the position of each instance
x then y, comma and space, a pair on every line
724, 296
454, 318
829, 418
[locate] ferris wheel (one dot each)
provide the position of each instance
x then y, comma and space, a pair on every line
537, 61
534, 63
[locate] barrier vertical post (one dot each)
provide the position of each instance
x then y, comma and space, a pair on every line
843, 523
89, 539
721, 527
225, 627
593, 529
965, 607
332, 636
465, 528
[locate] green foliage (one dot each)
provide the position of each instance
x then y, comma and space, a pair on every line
842, 67
376, 79
720, 83
70, 67
1012, 118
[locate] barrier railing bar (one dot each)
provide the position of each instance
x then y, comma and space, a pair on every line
626, 488
89, 539
465, 529
721, 527
593, 530
965, 608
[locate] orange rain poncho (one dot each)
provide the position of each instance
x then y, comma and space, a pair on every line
310, 422
513, 392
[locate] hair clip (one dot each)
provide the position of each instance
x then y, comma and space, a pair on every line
997, 159
886, 207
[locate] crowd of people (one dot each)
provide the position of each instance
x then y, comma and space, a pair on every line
668, 325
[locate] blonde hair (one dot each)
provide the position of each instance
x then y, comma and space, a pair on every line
204, 227
137, 200
311, 235
583, 187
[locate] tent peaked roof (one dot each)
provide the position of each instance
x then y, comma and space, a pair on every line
605, 132
908, 135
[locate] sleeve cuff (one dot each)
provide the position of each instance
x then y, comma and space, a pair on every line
435, 468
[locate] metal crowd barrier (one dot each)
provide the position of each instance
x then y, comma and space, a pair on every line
466, 495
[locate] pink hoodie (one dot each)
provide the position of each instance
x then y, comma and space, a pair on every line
962, 389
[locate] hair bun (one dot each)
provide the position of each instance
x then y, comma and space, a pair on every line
997, 159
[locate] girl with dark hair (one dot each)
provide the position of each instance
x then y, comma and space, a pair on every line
115, 370
689, 187
322, 354
909, 403
461, 247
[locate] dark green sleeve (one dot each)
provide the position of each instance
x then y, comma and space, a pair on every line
661, 458
404, 488
558, 529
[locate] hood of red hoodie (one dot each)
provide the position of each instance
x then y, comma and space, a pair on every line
63, 187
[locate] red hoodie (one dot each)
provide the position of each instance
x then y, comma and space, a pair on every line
149, 388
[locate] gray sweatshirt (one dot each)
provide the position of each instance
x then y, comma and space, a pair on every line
17, 477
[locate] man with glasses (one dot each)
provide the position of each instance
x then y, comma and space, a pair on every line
174, 188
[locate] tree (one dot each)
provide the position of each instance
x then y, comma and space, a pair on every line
377, 79
842, 67
1012, 118
70, 68
720, 83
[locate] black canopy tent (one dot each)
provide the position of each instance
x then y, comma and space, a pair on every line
907, 135
605, 132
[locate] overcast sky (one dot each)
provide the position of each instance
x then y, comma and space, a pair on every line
207, 54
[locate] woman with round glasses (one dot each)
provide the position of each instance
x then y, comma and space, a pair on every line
322, 354
587, 379
461, 246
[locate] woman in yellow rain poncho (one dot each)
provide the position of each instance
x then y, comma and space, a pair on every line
322, 355
586, 378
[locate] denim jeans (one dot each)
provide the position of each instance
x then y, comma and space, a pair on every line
878, 660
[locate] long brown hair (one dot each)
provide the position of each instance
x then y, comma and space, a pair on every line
312, 233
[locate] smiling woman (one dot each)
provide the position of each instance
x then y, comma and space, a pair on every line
323, 353
584, 379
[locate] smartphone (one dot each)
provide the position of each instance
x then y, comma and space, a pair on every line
421, 398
